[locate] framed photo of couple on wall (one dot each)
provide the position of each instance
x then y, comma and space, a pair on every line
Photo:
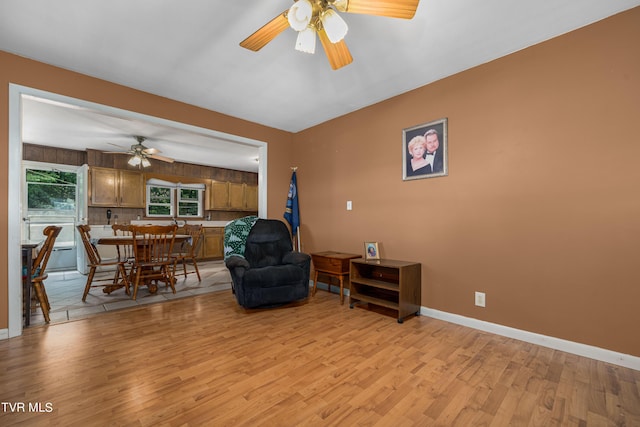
424, 150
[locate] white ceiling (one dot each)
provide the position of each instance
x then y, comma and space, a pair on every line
72, 124
189, 51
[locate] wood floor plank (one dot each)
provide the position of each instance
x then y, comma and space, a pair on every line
206, 361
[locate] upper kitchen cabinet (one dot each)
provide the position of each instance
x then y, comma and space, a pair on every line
116, 188
251, 197
217, 195
232, 196
236, 196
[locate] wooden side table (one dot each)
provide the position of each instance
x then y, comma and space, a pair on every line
334, 264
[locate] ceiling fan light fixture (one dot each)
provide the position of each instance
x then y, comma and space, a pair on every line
135, 160
300, 14
306, 41
333, 25
145, 162
324, 17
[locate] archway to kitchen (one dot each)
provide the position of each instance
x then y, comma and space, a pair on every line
16, 95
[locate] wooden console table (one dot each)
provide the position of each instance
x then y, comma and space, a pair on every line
387, 283
333, 264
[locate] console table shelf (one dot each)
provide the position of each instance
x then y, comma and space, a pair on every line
373, 300
387, 283
379, 284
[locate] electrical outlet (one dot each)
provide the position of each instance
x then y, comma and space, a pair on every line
349, 205
480, 299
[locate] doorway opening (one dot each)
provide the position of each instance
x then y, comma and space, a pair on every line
16, 189
53, 196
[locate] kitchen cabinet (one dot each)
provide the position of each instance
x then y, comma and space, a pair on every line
251, 198
236, 196
116, 188
217, 195
231, 196
213, 243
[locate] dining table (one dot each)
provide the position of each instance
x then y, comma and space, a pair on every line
128, 240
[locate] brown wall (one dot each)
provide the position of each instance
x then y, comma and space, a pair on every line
541, 208
527, 213
14, 69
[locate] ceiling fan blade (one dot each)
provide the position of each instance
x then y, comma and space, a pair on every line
117, 145
151, 151
161, 158
405, 9
266, 33
337, 53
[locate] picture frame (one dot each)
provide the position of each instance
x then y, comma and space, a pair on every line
417, 143
371, 251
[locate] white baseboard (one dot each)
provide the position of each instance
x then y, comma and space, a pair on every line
597, 353
621, 359
4, 334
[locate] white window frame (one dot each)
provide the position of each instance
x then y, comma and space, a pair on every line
175, 198
157, 183
200, 188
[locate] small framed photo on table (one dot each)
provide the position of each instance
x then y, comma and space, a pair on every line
424, 150
371, 251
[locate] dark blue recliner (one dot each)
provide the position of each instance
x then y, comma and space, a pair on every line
271, 273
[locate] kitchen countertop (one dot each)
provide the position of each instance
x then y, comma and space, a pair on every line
180, 222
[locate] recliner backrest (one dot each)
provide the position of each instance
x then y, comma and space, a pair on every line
268, 241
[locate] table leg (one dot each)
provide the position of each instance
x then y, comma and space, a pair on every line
117, 284
341, 289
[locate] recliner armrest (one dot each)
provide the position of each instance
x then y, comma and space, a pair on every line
235, 262
298, 258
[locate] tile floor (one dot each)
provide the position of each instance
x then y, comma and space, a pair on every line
65, 292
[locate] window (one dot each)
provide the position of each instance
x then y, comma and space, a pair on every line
51, 191
51, 199
160, 198
165, 198
189, 202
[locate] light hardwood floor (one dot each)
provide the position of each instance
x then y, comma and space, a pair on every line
204, 361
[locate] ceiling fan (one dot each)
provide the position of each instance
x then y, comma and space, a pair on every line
311, 17
140, 154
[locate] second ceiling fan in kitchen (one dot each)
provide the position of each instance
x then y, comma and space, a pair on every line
140, 154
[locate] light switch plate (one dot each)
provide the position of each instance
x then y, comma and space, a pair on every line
481, 299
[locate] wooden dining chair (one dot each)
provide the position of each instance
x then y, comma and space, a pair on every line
125, 251
188, 250
38, 269
95, 261
152, 250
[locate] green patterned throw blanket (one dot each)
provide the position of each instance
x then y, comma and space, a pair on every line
235, 236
